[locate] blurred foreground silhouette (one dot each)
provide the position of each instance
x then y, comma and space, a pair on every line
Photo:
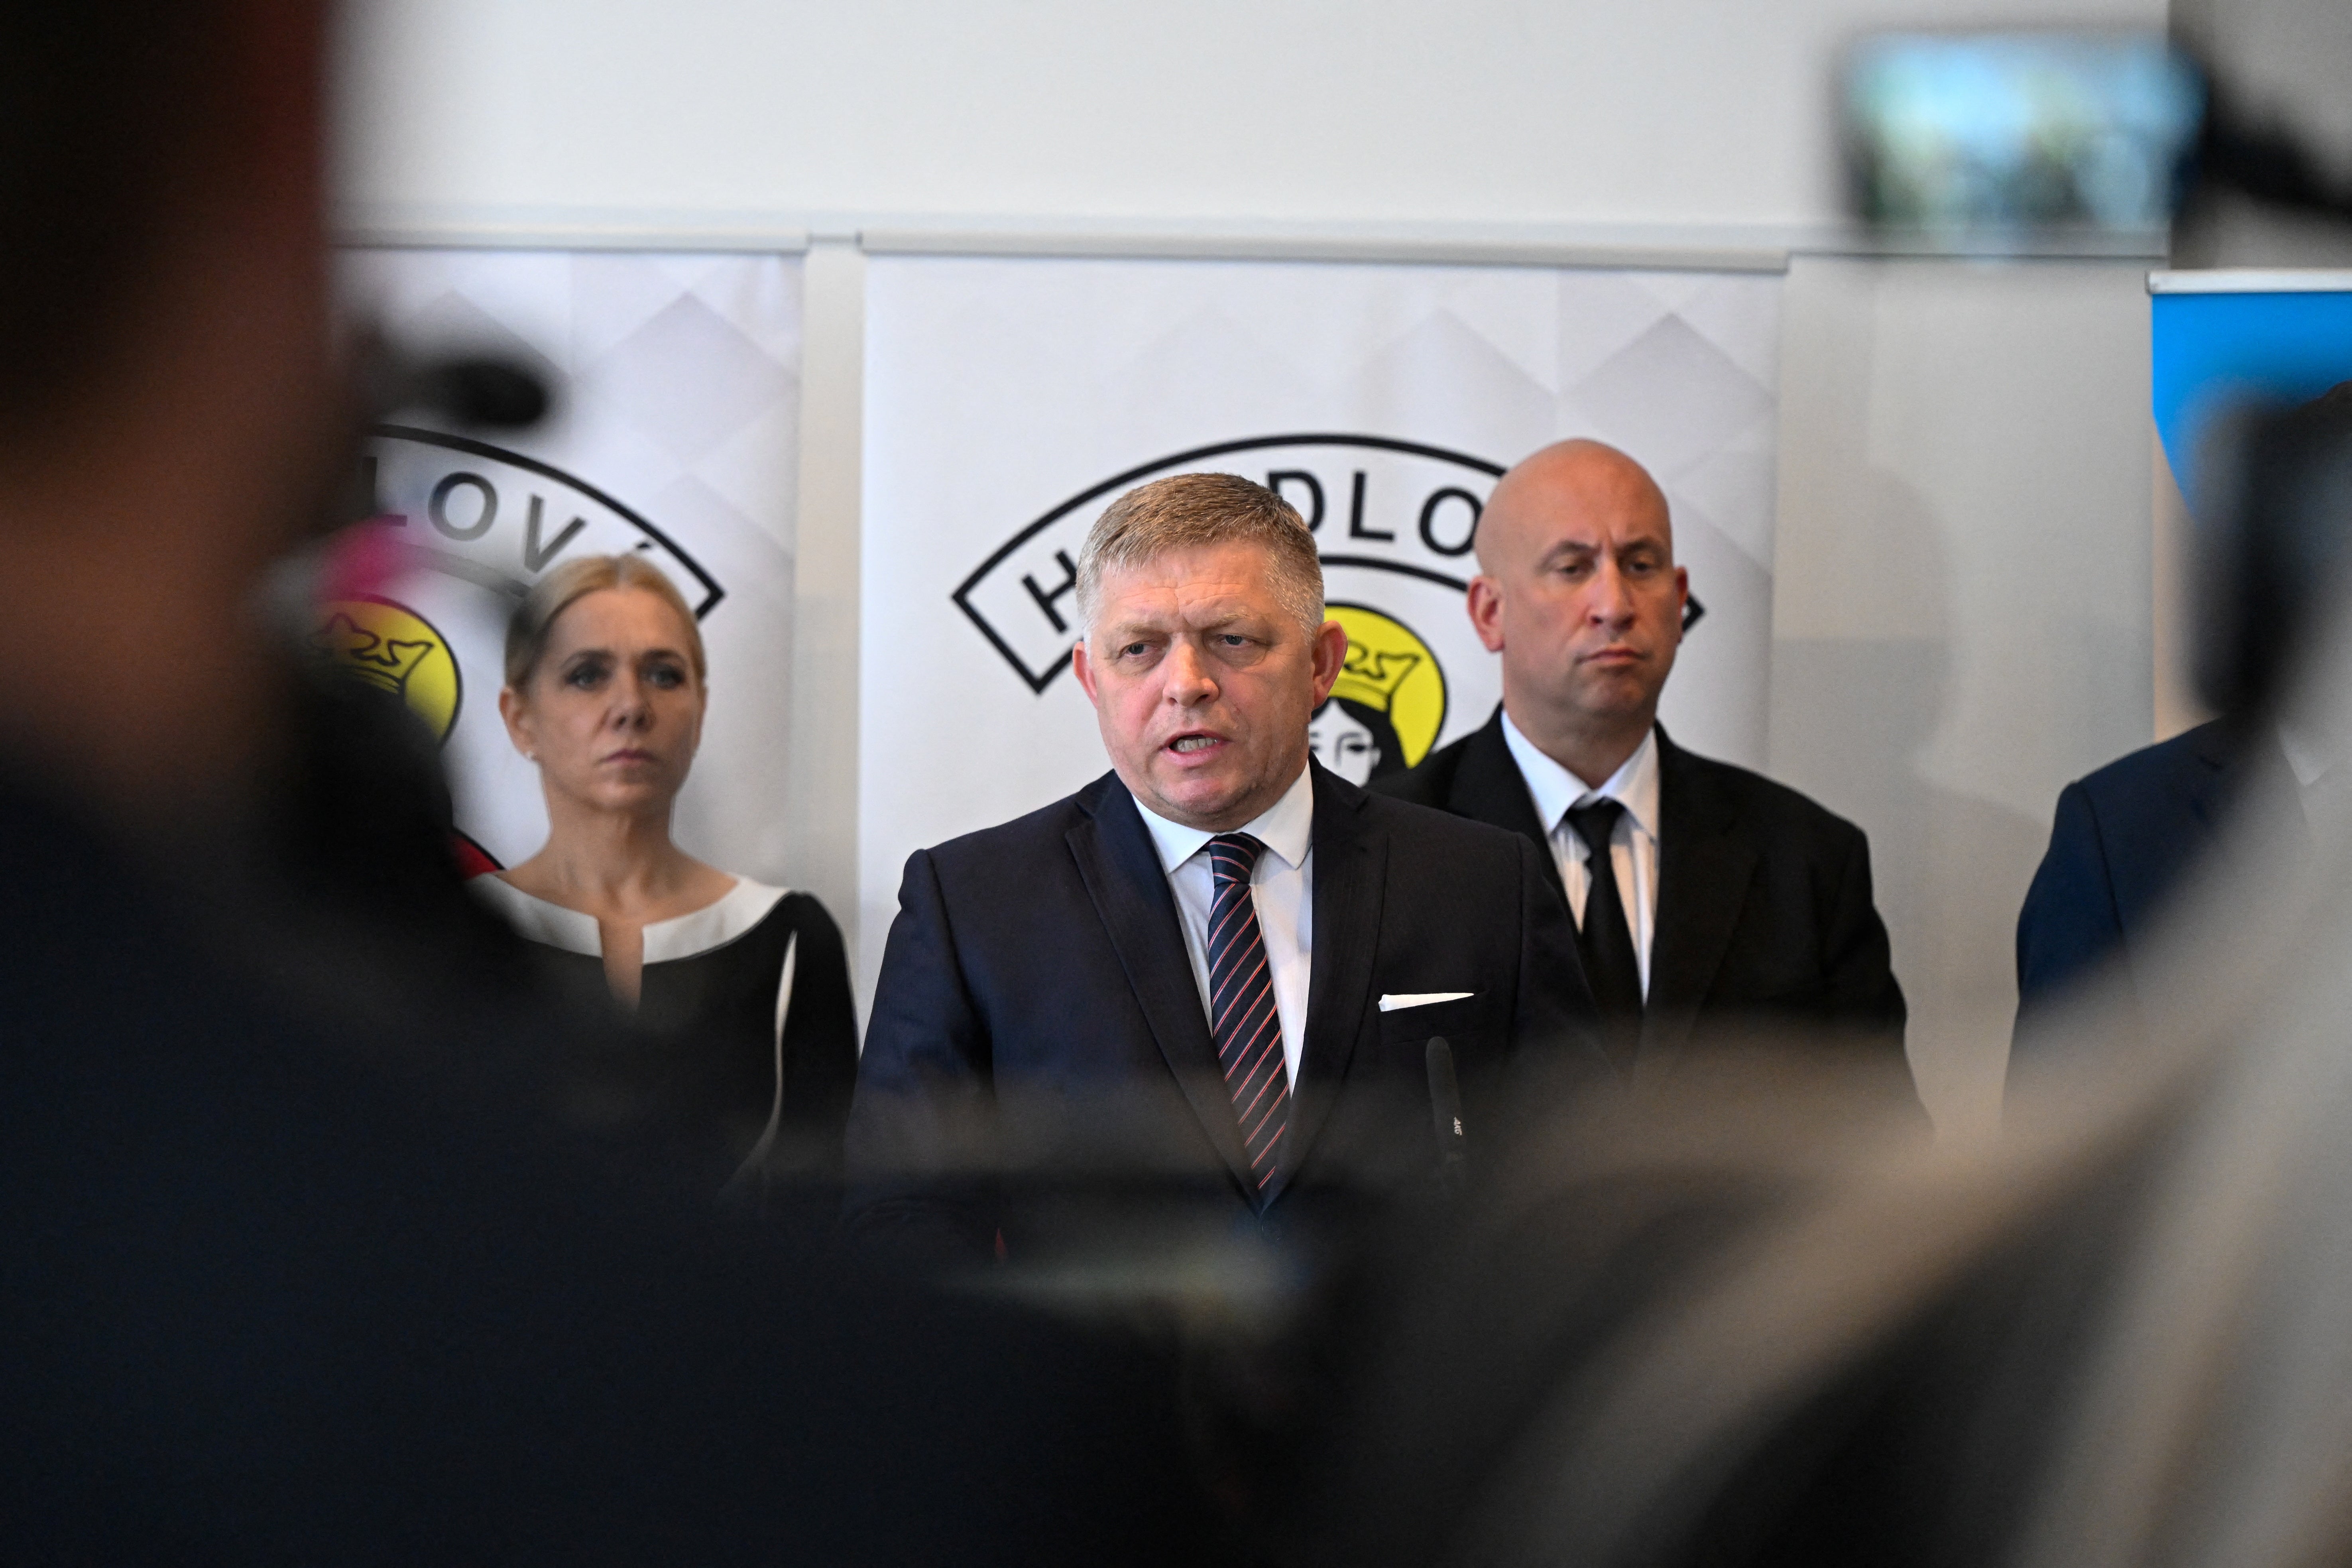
1740, 1318
323, 1239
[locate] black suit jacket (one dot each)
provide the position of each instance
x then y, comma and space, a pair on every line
1037, 1012
2121, 840
1764, 912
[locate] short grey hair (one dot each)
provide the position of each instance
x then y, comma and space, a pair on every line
1187, 511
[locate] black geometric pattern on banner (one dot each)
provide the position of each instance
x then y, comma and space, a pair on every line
711, 592
1038, 680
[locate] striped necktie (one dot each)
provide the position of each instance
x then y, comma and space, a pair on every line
1242, 1015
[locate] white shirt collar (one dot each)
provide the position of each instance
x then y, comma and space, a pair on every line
1285, 829
1635, 784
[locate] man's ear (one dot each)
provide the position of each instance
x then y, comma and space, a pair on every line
1331, 657
1083, 669
1486, 606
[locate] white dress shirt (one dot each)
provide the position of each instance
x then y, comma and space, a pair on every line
1282, 889
1632, 847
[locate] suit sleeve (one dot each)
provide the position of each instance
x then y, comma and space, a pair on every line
2069, 921
919, 1143
1857, 961
1555, 1014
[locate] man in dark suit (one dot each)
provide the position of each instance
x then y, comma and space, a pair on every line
2122, 839
1218, 966
1728, 900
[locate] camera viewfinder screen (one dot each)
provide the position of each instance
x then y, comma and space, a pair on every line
2018, 130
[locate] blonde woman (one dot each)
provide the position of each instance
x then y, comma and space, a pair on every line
739, 992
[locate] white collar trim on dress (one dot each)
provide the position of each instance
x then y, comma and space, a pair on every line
716, 925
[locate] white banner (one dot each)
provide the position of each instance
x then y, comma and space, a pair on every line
675, 436
1008, 400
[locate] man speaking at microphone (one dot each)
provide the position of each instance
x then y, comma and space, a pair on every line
1709, 899
1218, 966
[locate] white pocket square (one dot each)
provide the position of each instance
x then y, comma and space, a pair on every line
1395, 1000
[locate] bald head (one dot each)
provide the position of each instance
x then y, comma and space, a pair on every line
1578, 590
1578, 478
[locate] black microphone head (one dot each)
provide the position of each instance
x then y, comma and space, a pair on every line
487, 394
1444, 1093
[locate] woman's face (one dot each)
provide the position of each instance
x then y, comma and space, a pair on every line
1341, 742
614, 713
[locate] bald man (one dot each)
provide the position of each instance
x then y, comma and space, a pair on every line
1729, 904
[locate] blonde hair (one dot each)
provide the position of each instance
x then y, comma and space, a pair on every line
1189, 510
533, 621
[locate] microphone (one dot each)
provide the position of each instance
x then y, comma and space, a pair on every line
486, 390
492, 394
1445, 1114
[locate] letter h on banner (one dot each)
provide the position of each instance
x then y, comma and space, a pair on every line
1045, 597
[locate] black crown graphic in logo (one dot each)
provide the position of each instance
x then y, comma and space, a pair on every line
379, 661
1372, 676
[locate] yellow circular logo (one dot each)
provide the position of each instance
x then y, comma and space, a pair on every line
392, 646
1389, 703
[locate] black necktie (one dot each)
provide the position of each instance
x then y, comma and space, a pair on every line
1605, 939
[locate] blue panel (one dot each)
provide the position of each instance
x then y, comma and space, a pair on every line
2211, 350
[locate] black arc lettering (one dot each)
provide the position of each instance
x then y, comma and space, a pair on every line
1429, 520
437, 507
1356, 528
1046, 596
1038, 660
650, 538
366, 498
1280, 477
534, 558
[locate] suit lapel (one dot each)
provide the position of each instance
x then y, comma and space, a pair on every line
1489, 788
1122, 874
1351, 864
2226, 762
1703, 871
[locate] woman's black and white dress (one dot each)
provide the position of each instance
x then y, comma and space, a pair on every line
743, 1020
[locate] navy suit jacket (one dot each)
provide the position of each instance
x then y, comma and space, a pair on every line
2119, 844
1037, 1013
1764, 913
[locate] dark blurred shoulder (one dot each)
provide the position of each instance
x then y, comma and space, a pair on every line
1764, 806
2215, 750
1430, 827
1431, 782
1035, 833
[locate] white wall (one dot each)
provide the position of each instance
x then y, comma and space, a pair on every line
1484, 110
1961, 604
1962, 588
